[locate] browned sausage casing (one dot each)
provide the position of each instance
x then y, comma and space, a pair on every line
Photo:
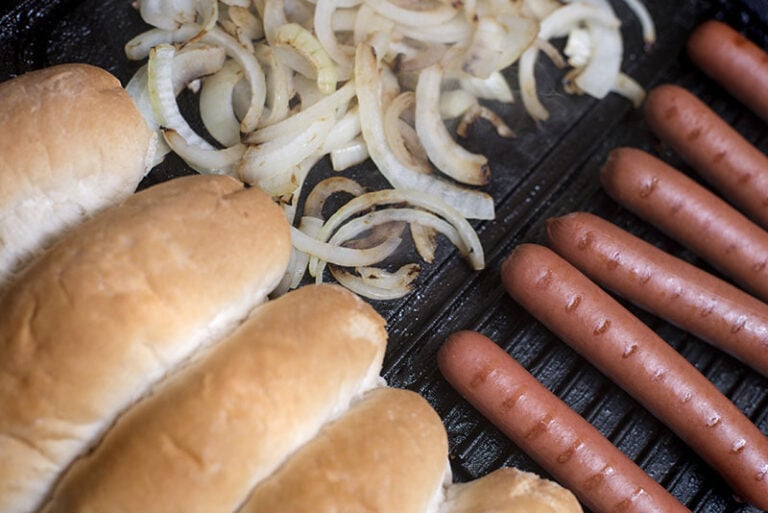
734, 62
556, 437
690, 214
664, 285
718, 152
635, 358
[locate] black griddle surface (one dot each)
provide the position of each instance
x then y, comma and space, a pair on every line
548, 170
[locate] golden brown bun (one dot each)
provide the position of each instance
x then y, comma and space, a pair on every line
389, 452
509, 490
216, 428
72, 142
117, 303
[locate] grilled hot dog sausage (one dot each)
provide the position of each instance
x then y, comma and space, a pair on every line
732, 60
690, 214
664, 285
717, 151
561, 441
635, 358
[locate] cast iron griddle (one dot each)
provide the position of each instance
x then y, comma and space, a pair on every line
548, 170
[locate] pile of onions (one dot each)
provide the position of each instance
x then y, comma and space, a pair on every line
285, 83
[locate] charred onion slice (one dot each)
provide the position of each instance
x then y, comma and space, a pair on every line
444, 152
470, 203
378, 284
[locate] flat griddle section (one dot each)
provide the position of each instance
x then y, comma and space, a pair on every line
548, 170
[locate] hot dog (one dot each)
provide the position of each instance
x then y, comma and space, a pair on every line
635, 358
734, 62
117, 304
718, 152
556, 437
690, 214
72, 143
212, 431
664, 285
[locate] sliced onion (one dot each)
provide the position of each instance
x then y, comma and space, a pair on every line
302, 41
425, 240
270, 165
486, 47
346, 130
216, 107
168, 15
205, 160
339, 255
378, 284
646, 22
325, 108
416, 199
470, 203
455, 31
163, 96
557, 24
447, 155
278, 87
478, 111
598, 77
431, 15
456, 102
394, 131
494, 88
315, 202
324, 30
629, 88
351, 154
248, 24
138, 48
253, 73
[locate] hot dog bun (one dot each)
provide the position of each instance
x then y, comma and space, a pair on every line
116, 304
222, 424
509, 490
387, 453
73, 142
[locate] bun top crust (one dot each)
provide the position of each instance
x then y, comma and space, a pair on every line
72, 142
509, 490
115, 305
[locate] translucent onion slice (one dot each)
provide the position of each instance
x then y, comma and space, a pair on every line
425, 240
324, 108
297, 265
521, 33
302, 41
630, 89
205, 160
350, 154
346, 257
494, 88
237, 3
378, 284
455, 31
168, 15
324, 30
467, 202
270, 165
444, 152
138, 48
248, 24
456, 102
646, 22
216, 107
394, 129
428, 14
557, 24
278, 86
254, 74
346, 130
598, 77
317, 197
486, 47
478, 111
414, 198
163, 97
